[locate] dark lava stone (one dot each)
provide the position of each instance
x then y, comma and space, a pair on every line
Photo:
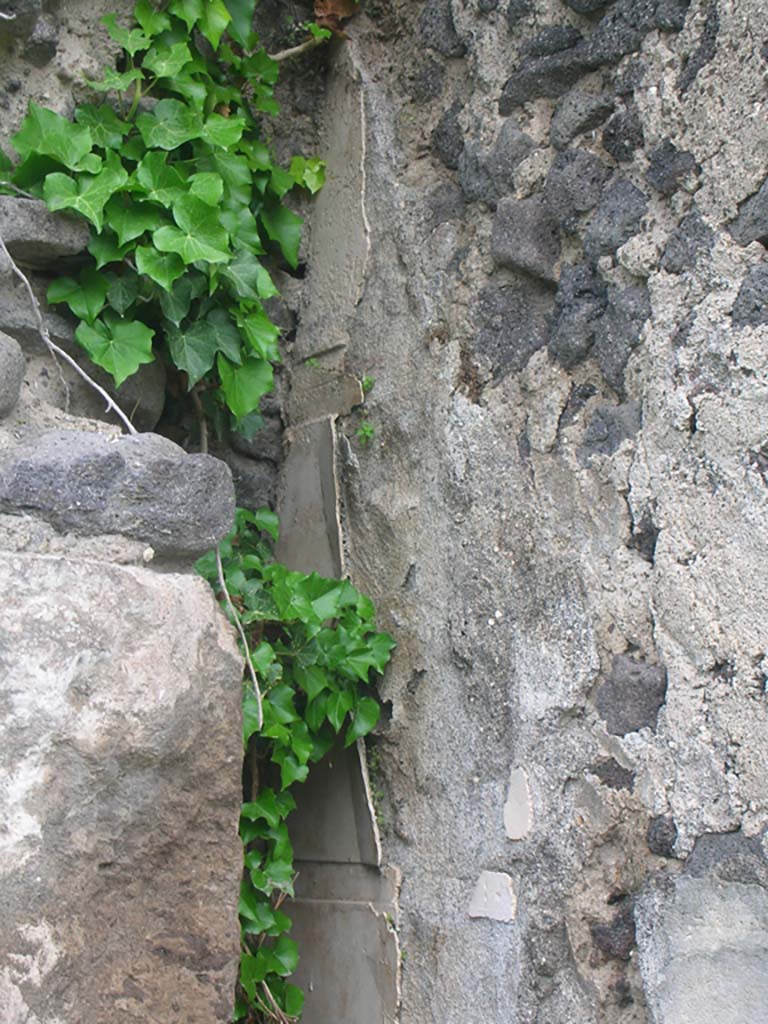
623, 135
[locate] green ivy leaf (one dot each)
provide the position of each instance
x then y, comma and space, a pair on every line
284, 227
339, 705
44, 133
152, 21
199, 236
105, 249
130, 220
310, 173
176, 303
249, 279
194, 350
123, 291
285, 956
240, 27
115, 81
243, 229
163, 184
264, 806
235, 171
190, 11
365, 718
214, 20
106, 128
293, 1000
89, 194
131, 41
169, 126
120, 349
243, 386
262, 334
207, 186
84, 297
167, 61
223, 131
163, 267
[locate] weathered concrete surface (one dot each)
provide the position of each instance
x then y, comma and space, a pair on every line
564, 520
120, 790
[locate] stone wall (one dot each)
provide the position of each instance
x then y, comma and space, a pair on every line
551, 259
120, 679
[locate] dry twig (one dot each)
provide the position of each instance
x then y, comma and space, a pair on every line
296, 51
241, 631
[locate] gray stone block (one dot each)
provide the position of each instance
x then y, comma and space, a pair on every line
689, 242
577, 112
552, 39
574, 184
618, 333
751, 306
579, 305
623, 135
12, 367
668, 166
751, 225
608, 426
141, 486
40, 47
616, 219
631, 696
448, 137
35, 236
525, 237
513, 325
438, 30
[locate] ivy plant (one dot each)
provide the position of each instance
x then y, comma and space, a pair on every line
316, 653
184, 198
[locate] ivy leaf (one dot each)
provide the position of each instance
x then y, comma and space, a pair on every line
105, 249
130, 220
207, 186
243, 386
264, 806
293, 1000
240, 27
236, 173
131, 41
190, 11
365, 718
284, 227
338, 706
249, 279
120, 349
194, 350
253, 970
115, 80
175, 304
84, 297
106, 128
167, 61
123, 291
152, 21
310, 173
214, 20
243, 229
44, 133
89, 194
285, 956
290, 769
201, 236
262, 335
169, 126
223, 131
163, 184
162, 267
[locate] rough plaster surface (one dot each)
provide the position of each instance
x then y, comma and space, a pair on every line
563, 514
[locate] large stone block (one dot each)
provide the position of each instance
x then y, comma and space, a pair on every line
141, 486
34, 235
120, 760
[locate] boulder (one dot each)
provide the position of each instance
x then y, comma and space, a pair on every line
37, 237
120, 762
141, 486
525, 237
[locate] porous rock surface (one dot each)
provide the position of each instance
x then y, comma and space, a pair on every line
119, 795
142, 486
563, 514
